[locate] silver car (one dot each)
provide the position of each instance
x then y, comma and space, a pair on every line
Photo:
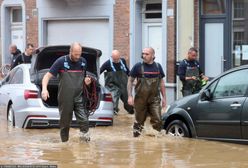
20, 99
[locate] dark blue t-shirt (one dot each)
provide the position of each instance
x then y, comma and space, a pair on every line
118, 66
153, 70
59, 65
183, 67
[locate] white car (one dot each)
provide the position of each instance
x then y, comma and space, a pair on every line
20, 99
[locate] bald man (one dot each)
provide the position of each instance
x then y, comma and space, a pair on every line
116, 75
72, 77
15, 52
149, 75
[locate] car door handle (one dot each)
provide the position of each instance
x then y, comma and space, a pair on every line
235, 105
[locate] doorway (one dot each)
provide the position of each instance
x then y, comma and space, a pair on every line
213, 56
17, 27
152, 27
152, 33
213, 47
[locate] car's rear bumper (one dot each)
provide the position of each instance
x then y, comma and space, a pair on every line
33, 122
36, 117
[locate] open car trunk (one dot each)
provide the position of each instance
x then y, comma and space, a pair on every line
44, 58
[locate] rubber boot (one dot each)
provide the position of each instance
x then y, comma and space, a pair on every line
137, 129
64, 134
85, 136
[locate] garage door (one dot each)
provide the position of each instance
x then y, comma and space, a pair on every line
91, 33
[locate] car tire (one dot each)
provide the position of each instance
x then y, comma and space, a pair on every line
11, 116
177, 128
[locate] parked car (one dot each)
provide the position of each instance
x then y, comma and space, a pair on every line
219, 111
20, 98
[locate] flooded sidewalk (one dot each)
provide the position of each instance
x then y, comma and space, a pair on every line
114, 147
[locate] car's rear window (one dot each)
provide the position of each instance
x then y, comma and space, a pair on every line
47, 57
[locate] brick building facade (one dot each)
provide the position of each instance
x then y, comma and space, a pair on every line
41, 18
121, 27
32, 22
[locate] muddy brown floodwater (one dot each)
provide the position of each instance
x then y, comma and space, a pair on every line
114, 147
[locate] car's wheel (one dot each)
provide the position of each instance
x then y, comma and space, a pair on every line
177, 128
11, 116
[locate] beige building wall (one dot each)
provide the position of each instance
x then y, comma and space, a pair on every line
185, 32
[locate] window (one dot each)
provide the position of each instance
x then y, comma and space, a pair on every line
213, 7
232, 85
240, 32
238, 7
16, 15
212, 87
153, 10
18, 77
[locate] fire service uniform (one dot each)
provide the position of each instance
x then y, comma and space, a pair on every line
116, 77
147, 95
71, 83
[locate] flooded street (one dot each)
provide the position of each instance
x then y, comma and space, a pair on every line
115, 147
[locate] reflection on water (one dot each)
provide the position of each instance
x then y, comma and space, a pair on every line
115, 147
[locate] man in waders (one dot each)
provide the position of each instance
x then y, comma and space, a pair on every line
190, 74
116, 77
72, 77
150, 83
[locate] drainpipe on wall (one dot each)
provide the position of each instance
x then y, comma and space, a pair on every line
177, 50
164, 34
131, 33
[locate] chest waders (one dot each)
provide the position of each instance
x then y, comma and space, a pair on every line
70, 99
147, 103
116, 83
191, 86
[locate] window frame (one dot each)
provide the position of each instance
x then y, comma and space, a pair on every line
11, 15
213, 14
144, 11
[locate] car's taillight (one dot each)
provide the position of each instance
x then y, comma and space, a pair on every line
36, 116
30, 94
107, 97
105, 118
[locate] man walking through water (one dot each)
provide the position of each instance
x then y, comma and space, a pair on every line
72, 77
150, 83
116, 76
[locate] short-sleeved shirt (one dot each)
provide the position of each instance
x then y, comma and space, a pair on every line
183, 67
22, 59
118, 66
59, 65
153, 70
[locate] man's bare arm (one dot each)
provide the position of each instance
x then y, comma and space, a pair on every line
45, 81
130, 85
163, 92
130, 90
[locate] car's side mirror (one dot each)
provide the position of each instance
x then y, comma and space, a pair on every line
206, 95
